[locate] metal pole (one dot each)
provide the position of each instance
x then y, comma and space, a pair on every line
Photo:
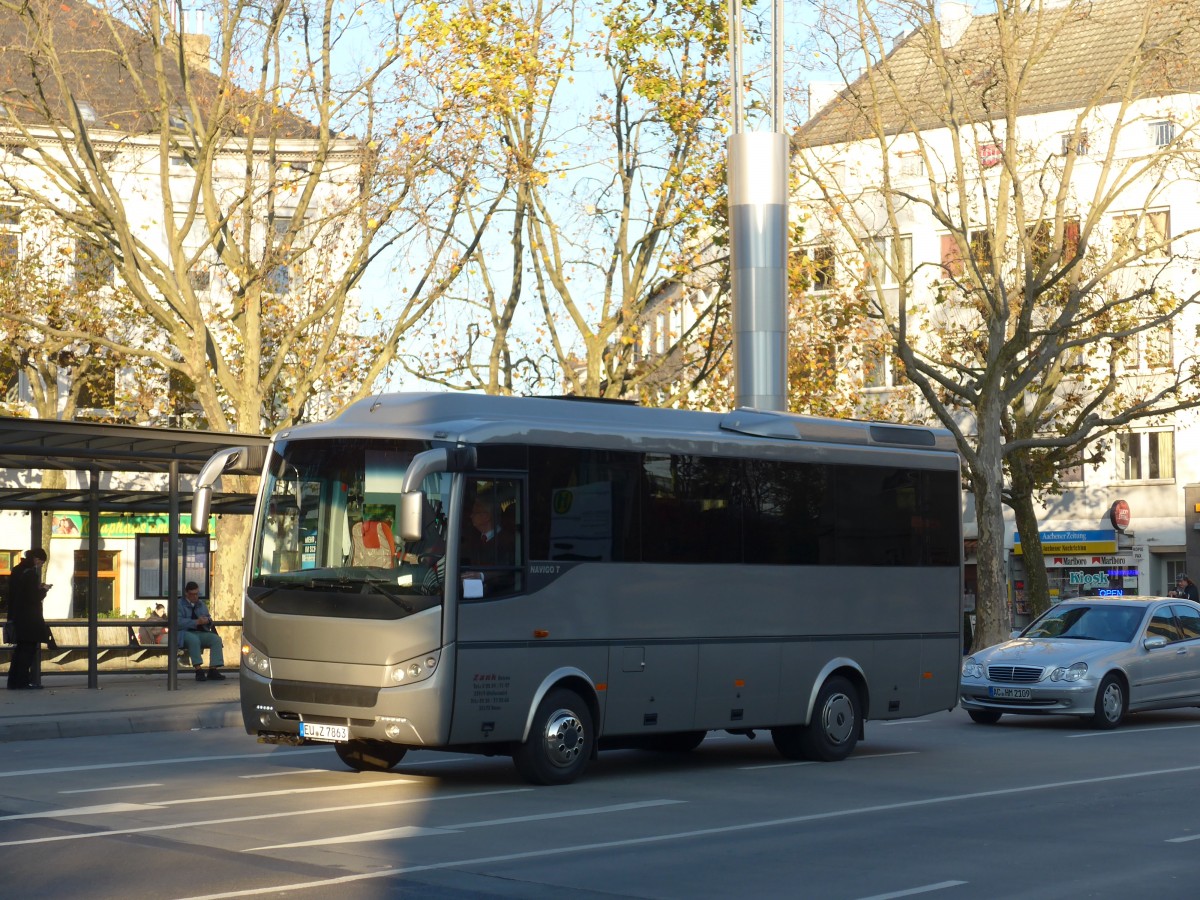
173, 592
93, 583
758, 216
736, 104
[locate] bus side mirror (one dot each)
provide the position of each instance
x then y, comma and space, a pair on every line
244, 459
412, 507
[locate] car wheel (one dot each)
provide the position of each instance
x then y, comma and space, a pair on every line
984, 716
560, 742
1110, 703
832, 733
370, 756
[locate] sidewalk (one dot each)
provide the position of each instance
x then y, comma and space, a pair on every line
123, 704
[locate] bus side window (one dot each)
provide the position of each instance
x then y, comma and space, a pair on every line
491, 541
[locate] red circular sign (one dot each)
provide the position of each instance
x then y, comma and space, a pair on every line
1119, 515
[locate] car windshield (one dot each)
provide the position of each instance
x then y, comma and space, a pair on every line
1107, 622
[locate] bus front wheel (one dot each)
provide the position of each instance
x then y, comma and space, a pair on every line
369, 756
560, 741
832, 733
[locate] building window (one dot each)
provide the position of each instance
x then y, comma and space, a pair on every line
881, 368
1163, 132
1078, 143
154, 560
107, 580
990, 155
910, 165
981, 253
1143, 234
819, 266
1072, 474
10, 237
881, 257
1175, 567
97, 392
93, 267
1146, 456
279, 276
200, 277
1043, 240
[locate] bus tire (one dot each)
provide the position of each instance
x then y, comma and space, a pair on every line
369, 756
832, 733
560, 742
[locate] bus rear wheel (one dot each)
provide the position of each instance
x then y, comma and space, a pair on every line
560, 741
370, 756
832, 733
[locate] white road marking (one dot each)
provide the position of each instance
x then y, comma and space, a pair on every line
408, 831
115, 787
1184, 840
1114, 731
809, 762
168, 761
261, 816
912, 892
220, 798
683, 835
284, 772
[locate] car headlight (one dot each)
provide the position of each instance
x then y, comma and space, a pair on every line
255, 660
412, 669
1070, 673
971, 668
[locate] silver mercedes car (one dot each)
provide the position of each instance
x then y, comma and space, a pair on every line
1095, 657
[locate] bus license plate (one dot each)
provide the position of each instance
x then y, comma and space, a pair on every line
317, 731
1010, 693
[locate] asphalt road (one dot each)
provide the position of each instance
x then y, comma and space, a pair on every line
1028, 808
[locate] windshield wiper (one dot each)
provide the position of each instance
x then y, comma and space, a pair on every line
389, 589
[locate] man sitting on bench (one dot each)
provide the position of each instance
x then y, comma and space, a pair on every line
196, 631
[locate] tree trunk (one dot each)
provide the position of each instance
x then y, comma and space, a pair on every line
233, 548
993, 620
1037, 586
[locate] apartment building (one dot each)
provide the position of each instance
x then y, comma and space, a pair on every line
179, 159
977, 147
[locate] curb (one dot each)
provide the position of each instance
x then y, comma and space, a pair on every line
223, 715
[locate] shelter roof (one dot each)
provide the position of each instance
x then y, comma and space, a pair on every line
39, 444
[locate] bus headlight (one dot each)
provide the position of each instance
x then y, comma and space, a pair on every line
413, 669
255, 660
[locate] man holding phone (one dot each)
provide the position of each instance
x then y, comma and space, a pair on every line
196, 631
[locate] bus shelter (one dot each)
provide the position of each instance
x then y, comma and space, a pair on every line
31, 446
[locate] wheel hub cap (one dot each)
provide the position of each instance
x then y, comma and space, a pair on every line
564, 738
837, 718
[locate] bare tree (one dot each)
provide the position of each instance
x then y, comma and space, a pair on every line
237, 185
605, 165
1045, 195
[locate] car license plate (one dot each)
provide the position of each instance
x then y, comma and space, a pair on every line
317, 731
1010, 693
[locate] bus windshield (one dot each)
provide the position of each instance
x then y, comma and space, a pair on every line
326, 539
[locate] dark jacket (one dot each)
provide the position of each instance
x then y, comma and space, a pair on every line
26, 621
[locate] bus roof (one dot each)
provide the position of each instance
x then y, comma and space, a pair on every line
480, 418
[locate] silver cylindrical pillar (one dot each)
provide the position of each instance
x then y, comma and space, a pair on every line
758, 214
